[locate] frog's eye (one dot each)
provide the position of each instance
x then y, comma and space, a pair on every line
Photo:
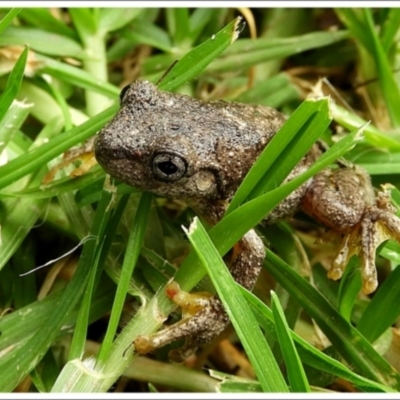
169, 167
122, 93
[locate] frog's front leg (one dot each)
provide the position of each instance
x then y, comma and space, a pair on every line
203, 316
343, 199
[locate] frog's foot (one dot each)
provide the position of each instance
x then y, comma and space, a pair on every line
203, 315
203, 318
378, 224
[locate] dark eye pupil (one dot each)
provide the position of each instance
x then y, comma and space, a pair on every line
167, 167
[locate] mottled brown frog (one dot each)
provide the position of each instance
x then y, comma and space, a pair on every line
179, 147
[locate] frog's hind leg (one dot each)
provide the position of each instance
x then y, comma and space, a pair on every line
203, 315
343, 200
203, 318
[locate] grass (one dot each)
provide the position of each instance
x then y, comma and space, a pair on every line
69, 327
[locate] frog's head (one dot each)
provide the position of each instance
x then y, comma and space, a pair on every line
158, 142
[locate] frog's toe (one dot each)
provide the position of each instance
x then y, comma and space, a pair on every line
369, 283
348, 247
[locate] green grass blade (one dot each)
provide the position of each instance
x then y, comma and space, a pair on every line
13, 83
16, 222
49, 43
345, 338
112, 19
76, 76
12, 121
23, 165
246, 327
273, 92
80, 333
284, 150
390, 29
173, 376
373, 136
389, 86
296, 375
144, 32
199, 18
354, 22
385, 304
42, 18
308, 353
131, 255
15, 365
246, 52
178, 24
8, 18
197, 59
85, 21
350, 286
62, 185
17, 328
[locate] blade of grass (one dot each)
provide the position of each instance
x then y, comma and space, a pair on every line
80, 333
62, 185
111, 19
178, 24
13, 83
19, 327
76, 76
308, 353
17, 223
373, 136
12, 121
257, 349
176, 376
7, 19
385, 304
353, 21
199, 18
44, 20
41, 41
23, 165
131, 255
388, 84
45, 373
299, 132
351, 345
197, 59
246, 52
273, 92
296, 375
390, 29
144, 32
15, 365
349, 289
87, 23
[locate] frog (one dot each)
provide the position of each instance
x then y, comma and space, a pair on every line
180, 147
